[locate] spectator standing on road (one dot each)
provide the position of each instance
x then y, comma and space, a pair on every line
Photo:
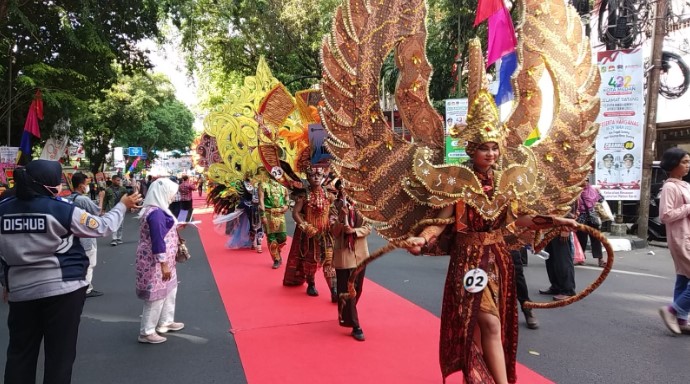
175, 204
143, 187
45, 271
186, 189
586, 215
521, 290
201, 183
674, 209
93, 190
156, 281
81, 184
560, 268
113, 194
349, 250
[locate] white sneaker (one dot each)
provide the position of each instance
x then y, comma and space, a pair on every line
172, 327
153, 338
670, 320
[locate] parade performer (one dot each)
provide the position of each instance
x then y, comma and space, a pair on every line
243, 224
312, 246
463, 210
350, 249
230, 147
273, 203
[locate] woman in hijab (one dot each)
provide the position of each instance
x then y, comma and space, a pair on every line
587, 215
156, 274
45, 270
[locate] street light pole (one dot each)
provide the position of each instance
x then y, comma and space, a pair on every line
651, 116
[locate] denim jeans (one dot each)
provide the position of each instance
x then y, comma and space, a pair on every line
681, 296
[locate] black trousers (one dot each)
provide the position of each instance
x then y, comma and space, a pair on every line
520, 281
347, 309
189, 206
559, 266
53, 320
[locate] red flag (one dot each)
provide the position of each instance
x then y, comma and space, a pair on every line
35, 114
486, 8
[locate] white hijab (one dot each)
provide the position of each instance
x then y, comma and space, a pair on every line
160, 194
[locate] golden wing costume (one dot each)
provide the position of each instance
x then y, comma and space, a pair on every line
396, 183
234, 129
400, 185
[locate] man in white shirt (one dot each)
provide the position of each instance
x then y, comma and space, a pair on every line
629, 175
608, 174
79, 197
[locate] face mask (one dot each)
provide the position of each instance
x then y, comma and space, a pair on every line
87, 189
54, 191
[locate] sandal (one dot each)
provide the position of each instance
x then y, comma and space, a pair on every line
602, 263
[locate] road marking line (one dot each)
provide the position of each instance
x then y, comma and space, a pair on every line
623, 272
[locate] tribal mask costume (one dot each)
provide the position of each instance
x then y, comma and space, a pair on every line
312, 246
238, 136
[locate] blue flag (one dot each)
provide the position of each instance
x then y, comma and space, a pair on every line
505, 89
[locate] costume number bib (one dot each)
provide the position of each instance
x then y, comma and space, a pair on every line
475, 280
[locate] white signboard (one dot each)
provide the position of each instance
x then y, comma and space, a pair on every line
620, 143
118, 158
8, 155
456, 113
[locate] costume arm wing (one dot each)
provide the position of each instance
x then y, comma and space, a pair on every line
552, 42
373, 161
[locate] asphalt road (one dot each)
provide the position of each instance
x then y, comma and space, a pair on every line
613, 336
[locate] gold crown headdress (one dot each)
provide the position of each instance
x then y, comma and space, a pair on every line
483, 121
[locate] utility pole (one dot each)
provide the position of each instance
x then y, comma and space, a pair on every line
651, 116
9, 99
458, 70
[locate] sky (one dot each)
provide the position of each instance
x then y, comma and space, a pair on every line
168, 60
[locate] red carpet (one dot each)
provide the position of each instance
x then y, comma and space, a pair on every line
285, 336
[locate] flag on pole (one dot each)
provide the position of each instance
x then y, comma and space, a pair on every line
31, 125
134, 165
502, 40
505, 72
533, 137
486, 8
501, 46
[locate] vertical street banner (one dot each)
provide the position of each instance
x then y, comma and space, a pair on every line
8, 161
456, 113
620, 143
119, 158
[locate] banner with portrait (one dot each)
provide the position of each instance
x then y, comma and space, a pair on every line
620, 143
8, 161
456, 113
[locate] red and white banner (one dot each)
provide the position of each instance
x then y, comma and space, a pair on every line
618, 169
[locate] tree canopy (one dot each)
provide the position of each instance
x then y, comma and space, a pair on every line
140, 110
224, 39
66, 48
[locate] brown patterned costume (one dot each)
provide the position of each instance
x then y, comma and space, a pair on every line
401, 185
477, 242
312, 244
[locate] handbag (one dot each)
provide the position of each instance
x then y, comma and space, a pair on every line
578, 255
182, 252
602, 212
589, 217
